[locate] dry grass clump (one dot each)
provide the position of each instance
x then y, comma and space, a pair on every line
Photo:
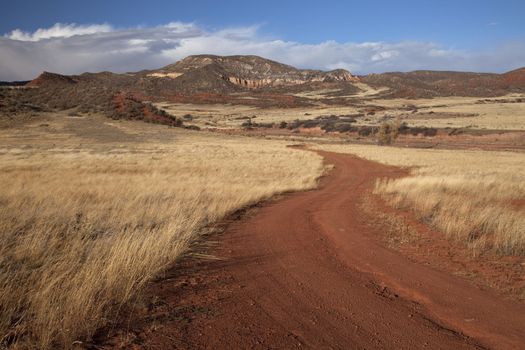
467, 209
472, 196
84, 230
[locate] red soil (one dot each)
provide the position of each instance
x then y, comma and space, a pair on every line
309, 271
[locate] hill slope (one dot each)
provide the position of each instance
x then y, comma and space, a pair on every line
240, 80
442, 83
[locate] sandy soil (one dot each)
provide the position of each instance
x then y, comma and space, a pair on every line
309, 271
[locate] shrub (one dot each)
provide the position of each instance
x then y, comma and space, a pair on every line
264, 125
366, 130
247, 124
384, 136
430, 132
388, 132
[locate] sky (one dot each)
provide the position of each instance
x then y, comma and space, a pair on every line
72, 37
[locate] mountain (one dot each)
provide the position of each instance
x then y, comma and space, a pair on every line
250, 72
242, 80
201, 78
515, 78
210, 78
47, 79
205, 73
424, 83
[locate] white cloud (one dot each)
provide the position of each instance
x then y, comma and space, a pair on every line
180, 26
385, 55
73, 49
59, 30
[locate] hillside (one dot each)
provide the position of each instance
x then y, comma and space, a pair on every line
245, 71
425, 83
515, 78
202, 73
247, 80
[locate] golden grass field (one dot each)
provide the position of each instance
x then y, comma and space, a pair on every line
232, 116
476, 197
442, 112
462, 112
92, 209
89, 216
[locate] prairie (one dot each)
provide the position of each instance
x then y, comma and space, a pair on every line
502, 113
475, 197
89, 216
232, 116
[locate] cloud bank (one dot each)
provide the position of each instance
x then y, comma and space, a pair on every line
73, 49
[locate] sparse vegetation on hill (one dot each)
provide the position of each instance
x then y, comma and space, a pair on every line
424, 84
126, 106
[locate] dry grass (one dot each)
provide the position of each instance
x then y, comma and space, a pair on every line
472, 196
228, 116
492, 116
84, 228
454, 112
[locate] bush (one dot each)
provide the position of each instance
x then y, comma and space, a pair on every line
384, 136
388, 132
247, 124
344, 127
366, 130
264, 125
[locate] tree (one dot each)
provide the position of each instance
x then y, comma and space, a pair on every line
388, 132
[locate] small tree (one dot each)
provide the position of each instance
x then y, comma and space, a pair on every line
247, 124
396, 127
388, 132
384, 136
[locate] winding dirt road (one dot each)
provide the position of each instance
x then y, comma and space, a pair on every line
308, 271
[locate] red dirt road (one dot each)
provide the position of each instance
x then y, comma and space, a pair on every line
308, 271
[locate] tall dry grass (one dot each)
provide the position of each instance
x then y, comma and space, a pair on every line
477, 197
84, 230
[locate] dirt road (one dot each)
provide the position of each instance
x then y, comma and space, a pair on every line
308, 271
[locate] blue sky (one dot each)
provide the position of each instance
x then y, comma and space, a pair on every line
363, 36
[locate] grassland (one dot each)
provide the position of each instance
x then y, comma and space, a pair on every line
502, 113
476, 197
233, 116
91, 210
